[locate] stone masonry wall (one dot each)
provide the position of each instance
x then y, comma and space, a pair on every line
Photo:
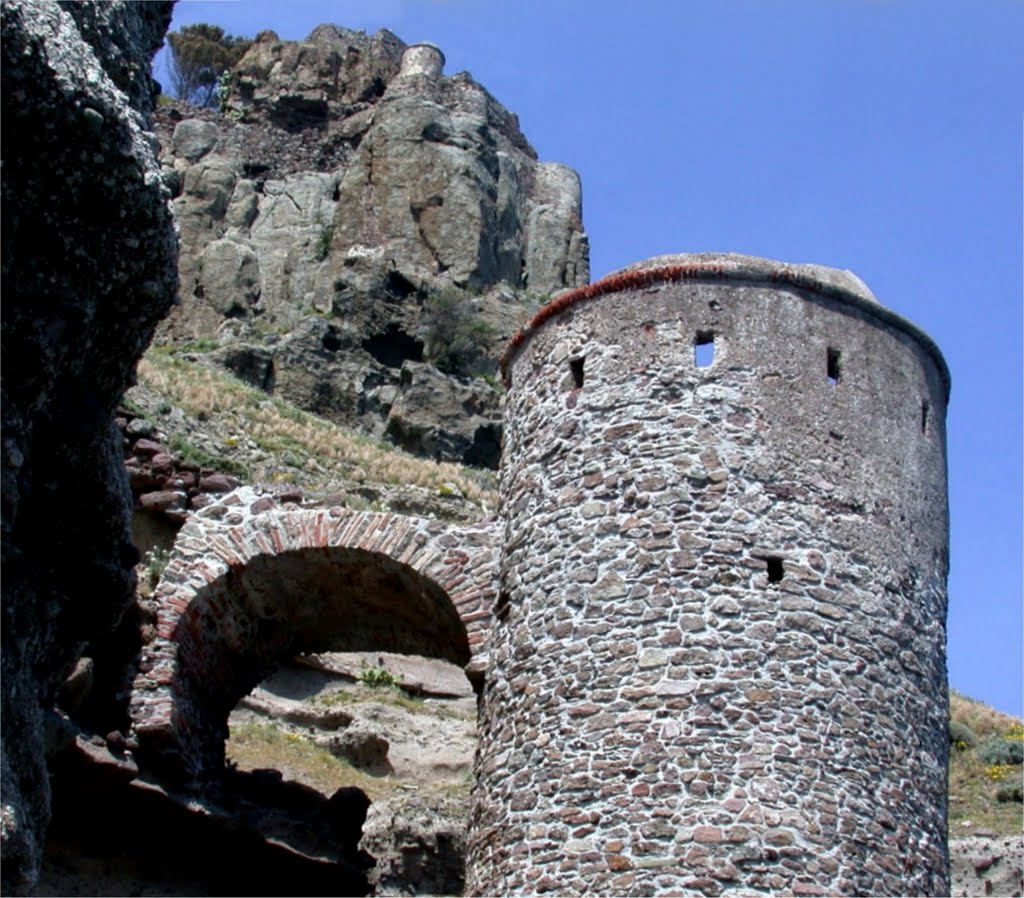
718, 658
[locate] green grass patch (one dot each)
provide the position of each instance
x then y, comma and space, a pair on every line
184, 451
265, 745
362, 694
986, 775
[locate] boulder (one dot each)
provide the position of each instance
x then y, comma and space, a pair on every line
89, 267
446, 183
229, 278
441, 417
360, 746
299, 85
194, 138
292, 232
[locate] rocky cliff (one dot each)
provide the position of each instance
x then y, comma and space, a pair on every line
88, 270
360, 235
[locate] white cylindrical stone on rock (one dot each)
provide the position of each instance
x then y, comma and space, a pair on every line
422, 59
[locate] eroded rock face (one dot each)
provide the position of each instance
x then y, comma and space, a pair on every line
88, 269
335, 197
331, 75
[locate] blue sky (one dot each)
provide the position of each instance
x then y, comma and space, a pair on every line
876, 135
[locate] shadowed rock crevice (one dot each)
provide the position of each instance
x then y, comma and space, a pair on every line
393, 347
224, 840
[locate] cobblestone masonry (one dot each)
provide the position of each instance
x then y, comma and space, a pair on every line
250, 582
718, 658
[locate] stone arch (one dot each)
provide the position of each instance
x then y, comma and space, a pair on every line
250, 582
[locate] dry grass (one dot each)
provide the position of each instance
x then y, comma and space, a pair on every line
981, 718
972, 797
359, 694
278, 427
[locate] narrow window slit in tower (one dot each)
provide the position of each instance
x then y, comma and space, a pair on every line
833, 366
501, 606
925, 408
704, 349
576, 366
774, 569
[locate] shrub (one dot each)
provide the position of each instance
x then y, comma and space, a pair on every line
323, 243
155, 561
998, 772
200, 344
457, 341
379, 678
1010, 792
961, 736
999, 750
199, 55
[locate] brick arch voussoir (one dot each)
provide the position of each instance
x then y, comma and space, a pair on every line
457, 559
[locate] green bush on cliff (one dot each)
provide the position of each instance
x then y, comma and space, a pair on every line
961, 736
457, 339
1010, 792
1001, 750
199, 55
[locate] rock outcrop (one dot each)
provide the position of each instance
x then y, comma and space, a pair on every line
88, 270
987, 865
346, 192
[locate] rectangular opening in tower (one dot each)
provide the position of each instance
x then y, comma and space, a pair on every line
925, 408
501, 607
704, 349
576, 366
774, 570
832, 366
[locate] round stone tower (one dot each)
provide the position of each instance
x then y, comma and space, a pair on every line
718, 659
422, 59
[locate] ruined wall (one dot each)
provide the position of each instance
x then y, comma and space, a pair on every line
718, 658
251, 583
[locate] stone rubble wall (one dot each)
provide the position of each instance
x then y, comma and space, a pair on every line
718, 658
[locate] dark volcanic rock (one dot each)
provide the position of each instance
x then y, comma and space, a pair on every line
88, 270
441, 418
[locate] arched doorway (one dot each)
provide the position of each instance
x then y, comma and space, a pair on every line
239, 596
239, 628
